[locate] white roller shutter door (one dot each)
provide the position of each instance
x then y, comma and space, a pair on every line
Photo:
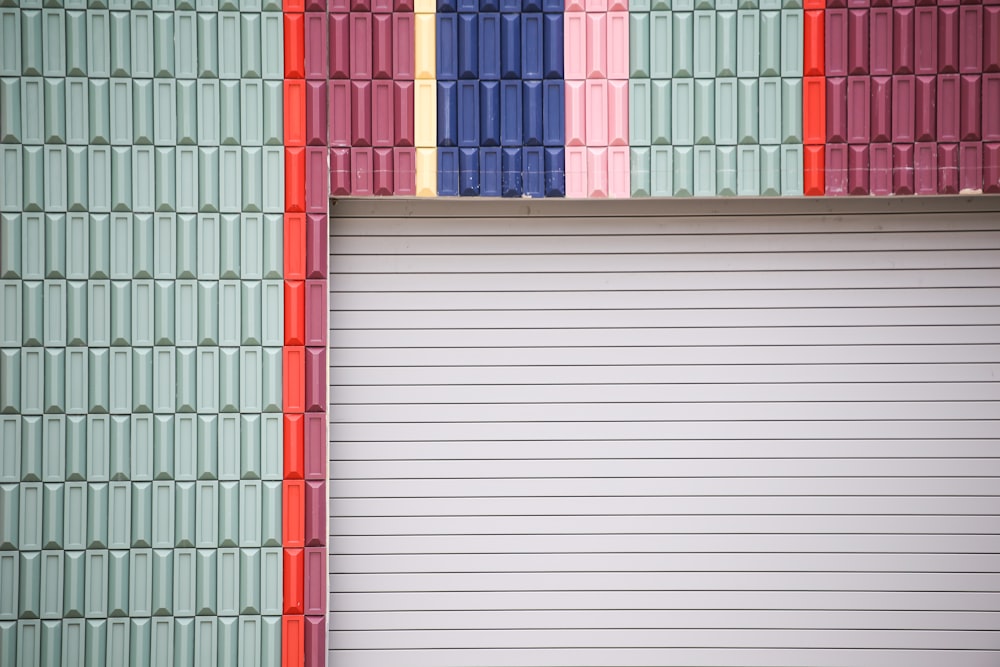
712, 434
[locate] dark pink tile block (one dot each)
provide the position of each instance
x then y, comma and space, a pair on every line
315, 633
858, 109
947, 169
925, 2
925, 168
991, 39
947, 108
317, 196
383, 114
316, 36
881, 3
902, 110
858, 3
857, 170
403, 116
316, 320
315, 445
880, 175
361, 113
403, 47
316, 245
339, 126
405, 171
991, 168
316, 378
970, 106
402, 5
990, 104
836, 169
836, 109
836, 4
948, 40
316, 120
361, 172
383, 171
902, 40
902, 169
338, 6
340, 171
881, 51
881, 127
925, 40
970, 166
902, 3
948, 2
339, 29
925, 103
316, 513
315, 5
970, 47
315, 593
361, 5
836, 42
361, 45
382, 46
382, 6
857, 41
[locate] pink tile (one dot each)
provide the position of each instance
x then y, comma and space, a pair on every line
925, 40
340, 46
339, 127
576, 114
991, 39
317, 197
836, 42
361, 45
948, 101
858, 3
383, 171
597, 172
618, 113
948, 38
361, 113
316, 233
902, 166
316, 120
991, 102
315, 445
315, 46
316, 369
991, 168
382, 6
597, 5
858, 109
403, 46
880, 52
314, 651
902, 40
925, 168
857, 170
402, 6
316, 321
575, 6
597, 45
576, 172
836, 109
947, 156
970, 49
382, 66
339, 6
403, 112
316, 513
617, 5
970, 106
619, 172
924, 117
361, 5
315, 591
404, 162
902, 120
340, 171
361, 172
597, 112
880, 175
970, 166
383, 114
881, 124
575, 47
857, 41
315, 5
836, 169
618, 45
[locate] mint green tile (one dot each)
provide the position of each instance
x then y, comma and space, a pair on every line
163, 447
98, 448
229, 508
791, 4
10, 381
273, 161
10, 31
55, 179
231, 178
683, 110
270, 640
163, 316
120, 102
143, 185
230, 308
33, 178
10, 245
118, 641
185, 453
32, 43
97, 517
205, 582
9, 563
10, 458
186, 314
770, 111
250, 508
270, 523
51, 592
229, 113
251, 106
95, 161
791, 111
162, 642
250, 560
682, 45
186, 182
184, 634
229, 45
791, 169
186, 39
54, 299
33, 311
253, 179
120, 370
29, 643
99, 112
77, 381
748, 43
10, 110
639, 42
206, 642
272, 321
142, 447
725, 5
32, 368
77, 111
96, 600
251, 313
272, 46
272, 126
120, 524
120, 51
208, 380
163, 583
208, 443
76, 446
143, 125
98, 396
165, 177
639, 112
54, 111
661, 46
164, 112
29, 584
51, 640
228, 595
120, 447
163, 43
53, 448
270, 581
770, 43
229, 641
661, 112
121, 178
32, 99
187, 381
187, 246
185, 517
791, 42
704, 111
208, 112
726, 95
271, 380
704, 44
770, 171
52, 516
725, 43
186, 119
142, 530
54, 381
249, 379
271, 446
272, 247
142, 44
33, 234
142, 312
185, 572
139, 641
747, 112
683, 171
207, 519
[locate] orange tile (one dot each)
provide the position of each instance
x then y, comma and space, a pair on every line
295, 179
294, 379
295, 46
812, 167
293, 522
294, 446
295, 112
295, 312
295, 246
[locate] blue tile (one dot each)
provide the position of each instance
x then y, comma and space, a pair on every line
533, 159
447, 113
468, 168
489, 113
468, 113
489, 46
555, 175
532, 51
510, 5
446, 6
552, 46
533, 107
468, 6
552, 5
489, 5
489, 172
553, 110
468, 46
447, 46
510, 113
510, 183
447, 172
510, 46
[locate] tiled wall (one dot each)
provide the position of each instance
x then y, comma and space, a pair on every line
141, 311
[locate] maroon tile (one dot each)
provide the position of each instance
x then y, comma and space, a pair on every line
970, 166
947, 169
361, 45
316, 119
361, 5
315, 445
991, 39
857, 170
338, 6
925, 168
316, 372
948, 40
402, 53
316, 513
991, 168
383, 115
314, 634
991, 102
970, 106
317, 197
339, 130
881, 3
902, 40
403, 116
382, 66
315, 596
402, 5
316, 323
925, 40
902, 110
880, 175
925, 2
881, 127
857, 41
836, 169
858, 3
340, 171
316, 243
836, 42
835, 4
858, 109
315, 5
339, 29
902, 169
970, 48
881, 50
361, 113
902, 3
315, 36
383, 171
382, 6
404, 163
925, 102
947, 107
362, 182
836, 109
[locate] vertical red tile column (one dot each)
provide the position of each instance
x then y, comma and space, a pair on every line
991, 98
813, 98
293, 361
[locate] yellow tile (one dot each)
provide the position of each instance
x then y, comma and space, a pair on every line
425, 6
424, 46
426, 172
425, 113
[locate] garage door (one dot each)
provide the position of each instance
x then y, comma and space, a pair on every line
665, 434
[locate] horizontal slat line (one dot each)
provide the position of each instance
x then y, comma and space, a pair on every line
824, 402
675, 235
685, 290
655, 627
